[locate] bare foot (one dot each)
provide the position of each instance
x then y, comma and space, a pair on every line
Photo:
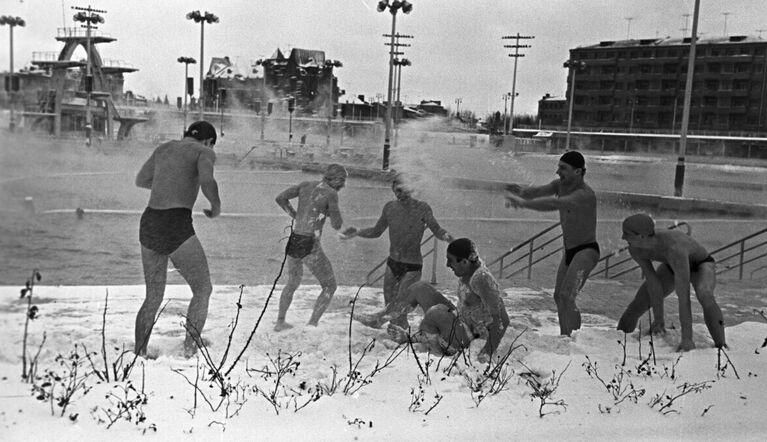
282, 325
371, 320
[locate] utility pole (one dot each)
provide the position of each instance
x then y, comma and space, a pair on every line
628, 28
680, 166
516, 56
725, 14
396, 82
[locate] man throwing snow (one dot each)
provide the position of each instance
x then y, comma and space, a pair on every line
175, 173
577, 206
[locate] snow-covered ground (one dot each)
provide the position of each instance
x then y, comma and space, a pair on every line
671, 396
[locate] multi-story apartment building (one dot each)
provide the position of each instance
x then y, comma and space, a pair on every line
640, 84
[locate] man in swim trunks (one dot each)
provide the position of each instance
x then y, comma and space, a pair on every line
407, 219
481, 313
175, 173
317, 200
682, 261
577, 206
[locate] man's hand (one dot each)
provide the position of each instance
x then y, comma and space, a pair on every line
212, 212
658, 328
514, 200
513, 188
348, 233
686, 345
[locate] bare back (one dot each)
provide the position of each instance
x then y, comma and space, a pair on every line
674, 248
175, 173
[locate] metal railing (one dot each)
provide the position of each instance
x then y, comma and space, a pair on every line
616, 253
742, 254
530, 246
432, 251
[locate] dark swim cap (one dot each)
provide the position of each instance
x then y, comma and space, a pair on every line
201, 130
574, 158
639, 224
463, 248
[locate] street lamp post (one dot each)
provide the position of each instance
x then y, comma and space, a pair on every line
329, 65
679, 173
262, 62
187, 61
516, 56
574, 66
393, 7
291, 108
207, 17
90, 17
12, 22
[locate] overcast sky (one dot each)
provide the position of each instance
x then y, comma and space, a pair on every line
457, 51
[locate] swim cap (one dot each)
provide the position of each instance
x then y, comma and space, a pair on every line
201, 130
639, 224
334, 171
463, 248
574, 158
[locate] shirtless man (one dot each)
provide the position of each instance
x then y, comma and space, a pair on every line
481, 312
682, 261
317, 200
577, 206
175, 173
407, 219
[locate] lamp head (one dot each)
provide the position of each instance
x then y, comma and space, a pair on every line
382, 5
406, 6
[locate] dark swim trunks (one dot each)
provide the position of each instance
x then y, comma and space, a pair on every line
570, 253
399, 269
695, 266
299, 245
164, 230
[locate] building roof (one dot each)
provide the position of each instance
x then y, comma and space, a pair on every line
668, 41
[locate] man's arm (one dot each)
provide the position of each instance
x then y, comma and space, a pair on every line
334, 212
487, 291
550, 203
208, 183
654, 290
146, 174
377, 230
433, 225
679, 261
283, 199
533, 191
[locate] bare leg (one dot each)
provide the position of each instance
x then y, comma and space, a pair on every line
445, 326
564, 328
320, 266
704, 282
403, 301
641, 303
575, 277
192, 264
295, 272
155, 274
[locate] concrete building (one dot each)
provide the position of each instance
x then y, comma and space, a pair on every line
639, 84
552, 111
